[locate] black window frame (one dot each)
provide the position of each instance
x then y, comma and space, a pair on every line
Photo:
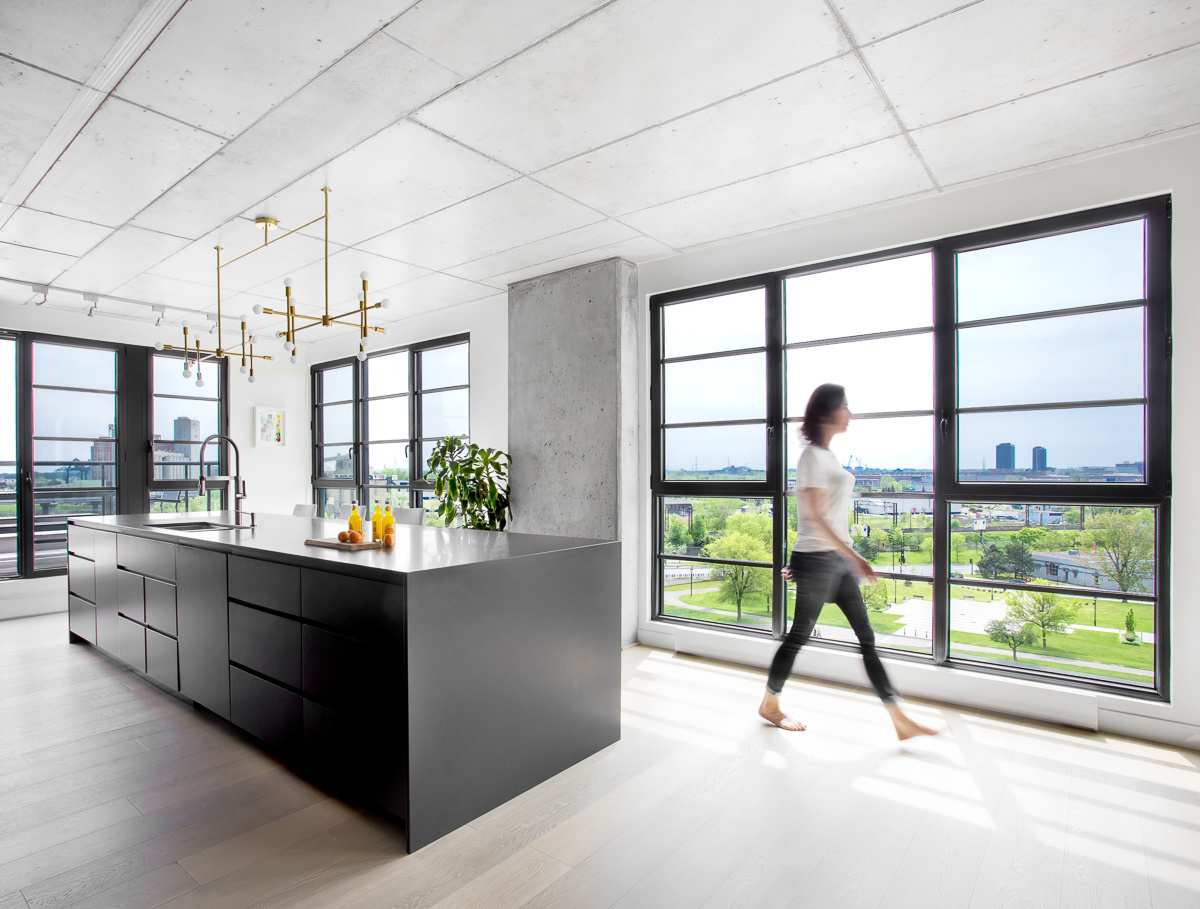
1154, 492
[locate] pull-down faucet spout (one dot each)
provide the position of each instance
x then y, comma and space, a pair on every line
237, 484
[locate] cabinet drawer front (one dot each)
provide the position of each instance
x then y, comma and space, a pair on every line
264, 642
82, 617
266, 711
160, 606
149, 557
265, 584
354, 677
81, 579
359, 757
81, 541
131, 595
369, 610
131, 643
162, 659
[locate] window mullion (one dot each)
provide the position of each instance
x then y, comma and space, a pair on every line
945, 443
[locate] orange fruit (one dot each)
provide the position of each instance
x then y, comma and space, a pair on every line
355, 536
343, 536
389, 540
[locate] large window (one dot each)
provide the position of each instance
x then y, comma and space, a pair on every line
1009, 449
182, 415
375, 421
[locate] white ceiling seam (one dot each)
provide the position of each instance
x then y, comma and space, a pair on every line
909, 24
153, 17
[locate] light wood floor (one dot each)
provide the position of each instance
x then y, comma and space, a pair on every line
113, 794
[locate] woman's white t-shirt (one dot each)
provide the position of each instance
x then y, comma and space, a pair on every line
818, 469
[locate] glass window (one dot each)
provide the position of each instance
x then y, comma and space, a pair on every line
879, 375
730, 322
891, 295
183, 416
716, 388
8, 458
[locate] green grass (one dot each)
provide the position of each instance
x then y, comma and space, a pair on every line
755, 620
832, 617
1096, 646
1024, 660
711, 598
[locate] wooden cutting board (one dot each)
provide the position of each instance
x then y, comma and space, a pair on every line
334, 543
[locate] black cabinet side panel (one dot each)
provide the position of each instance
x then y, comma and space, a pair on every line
107, 602
203, 613
265, 584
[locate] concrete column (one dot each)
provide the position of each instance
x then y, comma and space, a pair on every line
573, 380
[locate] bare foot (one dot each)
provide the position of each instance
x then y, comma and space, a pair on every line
906, 727
770, 711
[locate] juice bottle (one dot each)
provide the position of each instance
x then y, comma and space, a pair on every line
355, 517
377, 524
389, 523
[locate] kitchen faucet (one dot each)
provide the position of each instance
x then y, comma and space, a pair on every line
238, 484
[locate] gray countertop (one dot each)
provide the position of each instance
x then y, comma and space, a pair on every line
280, 538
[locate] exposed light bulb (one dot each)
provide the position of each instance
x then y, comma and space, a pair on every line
292, 359
158, 345
258, 309
363, 275
287, 282
385, 303
199, 382
250, 379
288, 346
364, 343
187, 373
362, 355
243, 369
361, 296
184, 323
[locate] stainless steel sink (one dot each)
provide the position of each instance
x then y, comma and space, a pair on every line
194, 526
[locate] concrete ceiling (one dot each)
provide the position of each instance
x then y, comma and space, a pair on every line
472, 143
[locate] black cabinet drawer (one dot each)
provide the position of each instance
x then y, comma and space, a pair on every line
131, 595
81, 541
81, 579
266, 711
131, 643
149, 557
265, 642
362, 758
160, 606
265, 584
82, 618
162, 659
351, 676
369, 610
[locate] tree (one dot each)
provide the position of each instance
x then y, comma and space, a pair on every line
1031, 536
1044, 609
875, 596
757, 526
958, 546
699, 530
1019, 559
738, 581
715, 512
867, 547
992, 563
678, 535
1124, 542
1131, 628
1013, 634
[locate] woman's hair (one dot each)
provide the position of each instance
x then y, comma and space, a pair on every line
824, 403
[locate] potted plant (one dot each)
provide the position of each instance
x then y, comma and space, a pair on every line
1131, 636
470, 482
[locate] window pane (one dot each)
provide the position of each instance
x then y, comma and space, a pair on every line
894, 535
387, 464
180, 426
74, 413
730, 322
337, 384
430, 503
180, 501
882, 375
860, 299
77, 473
387, 418
337, 461
1086, 267
51, 509
45, 451
8, 402
331, 501
445, 366
900, 612
1074, 445
709, 592
724, 388
8, 523
337, 423
715, 453
387, 375
695, 525
890, 453
445, 413
168, 379
1074, 358
396, 496
74, 367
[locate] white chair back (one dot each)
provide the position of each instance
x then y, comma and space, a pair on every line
305, 511
345, 514
409, 515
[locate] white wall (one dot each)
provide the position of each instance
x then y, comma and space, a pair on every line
1165, 166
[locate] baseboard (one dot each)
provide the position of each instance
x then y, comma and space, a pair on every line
23, 597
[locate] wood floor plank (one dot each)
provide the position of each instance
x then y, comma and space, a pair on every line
509, 885
13, 901
756, 883
14, 846
148, 891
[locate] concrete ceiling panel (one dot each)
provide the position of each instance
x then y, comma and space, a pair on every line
53, 232
396, 176
822, 110
27, 264
363, 93
468, 36
31, 102
69, 37
629, 66
170, 292
636, 249
863, 176
308, 285
121, 257
870, 20
508, 216
119, 163
1156, 96
265, 266
222, 64
434, 291
1020, 47
572, 242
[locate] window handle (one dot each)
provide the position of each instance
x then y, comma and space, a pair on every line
944, 426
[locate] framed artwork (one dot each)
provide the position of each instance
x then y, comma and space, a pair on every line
268, 427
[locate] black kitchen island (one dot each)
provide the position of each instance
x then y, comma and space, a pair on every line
430, 682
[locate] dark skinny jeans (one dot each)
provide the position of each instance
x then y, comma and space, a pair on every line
820, 578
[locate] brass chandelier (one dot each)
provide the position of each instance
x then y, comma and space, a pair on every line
245, 349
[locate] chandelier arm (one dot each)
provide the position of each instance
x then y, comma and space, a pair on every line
272, 242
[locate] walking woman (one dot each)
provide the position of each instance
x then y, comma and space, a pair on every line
824, 566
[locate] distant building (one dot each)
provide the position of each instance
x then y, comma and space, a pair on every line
104, 452
187, 439
1006, 456
1134, 467
1039, 458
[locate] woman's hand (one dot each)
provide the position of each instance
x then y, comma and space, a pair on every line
786, 573
861, 566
